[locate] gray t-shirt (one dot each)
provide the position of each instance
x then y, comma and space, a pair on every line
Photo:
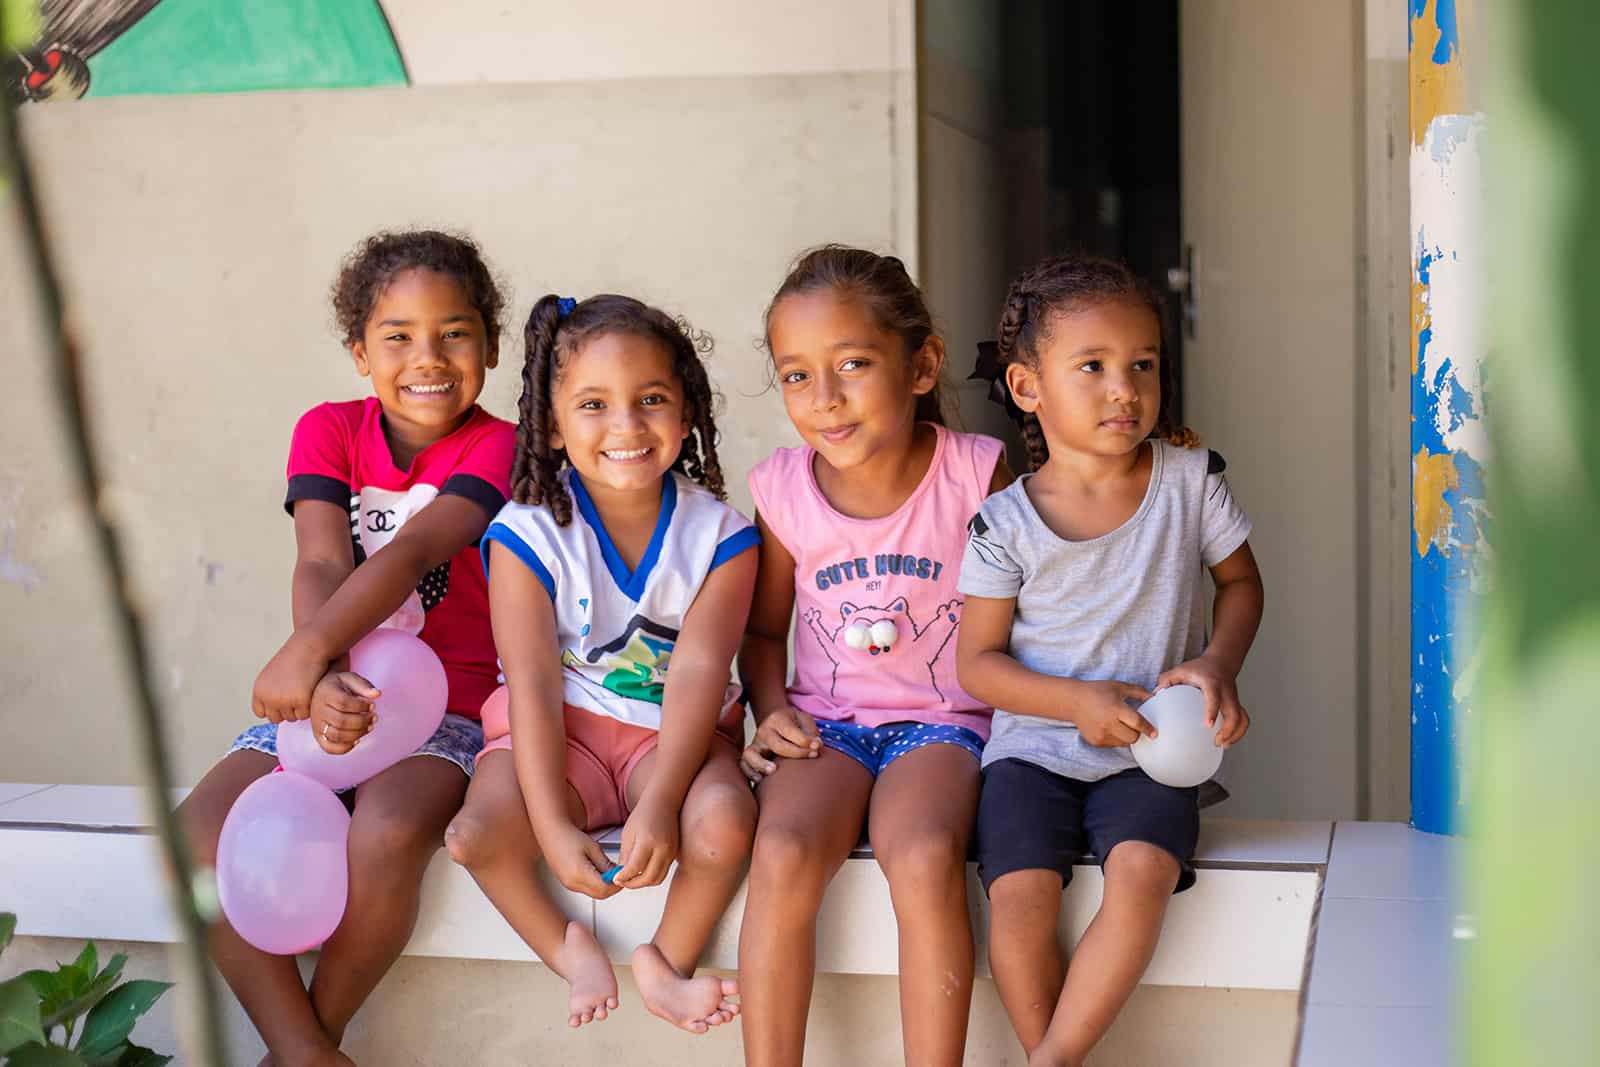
1124, 606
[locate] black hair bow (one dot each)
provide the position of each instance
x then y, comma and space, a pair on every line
989, 369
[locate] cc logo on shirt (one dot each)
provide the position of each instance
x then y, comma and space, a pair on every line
381, 520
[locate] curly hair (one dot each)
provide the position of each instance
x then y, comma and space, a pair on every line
1058, 286
884, 285
552, 340
369, 268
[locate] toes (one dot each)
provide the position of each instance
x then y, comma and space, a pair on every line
611, 1002
574, 1021
730, 987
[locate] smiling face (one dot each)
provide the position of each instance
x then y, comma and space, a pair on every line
619, 412
427, 351
1097, 387
848, 385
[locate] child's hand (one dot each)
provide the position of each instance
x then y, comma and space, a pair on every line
283, 688
787, 733
649, 845
1221, 692
578, 861
1106, 718
341, 711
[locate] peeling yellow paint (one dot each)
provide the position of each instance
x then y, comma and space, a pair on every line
1432, 475
1436, 89
1421, 319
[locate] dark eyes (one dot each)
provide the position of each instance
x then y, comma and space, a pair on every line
1094, 366
649, 400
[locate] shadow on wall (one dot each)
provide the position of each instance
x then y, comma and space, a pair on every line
156, 47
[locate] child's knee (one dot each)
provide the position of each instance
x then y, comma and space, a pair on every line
785, 855
384, 840
721, 835
469, 839
928, 858
1140, 866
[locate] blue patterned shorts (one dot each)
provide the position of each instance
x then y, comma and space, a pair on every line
458, 740
875, 747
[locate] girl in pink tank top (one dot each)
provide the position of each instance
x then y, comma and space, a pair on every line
863, 529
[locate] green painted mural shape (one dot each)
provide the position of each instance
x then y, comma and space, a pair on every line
220, 46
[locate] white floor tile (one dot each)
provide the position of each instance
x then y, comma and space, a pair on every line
1390, 860
1341, 1035
1382, 953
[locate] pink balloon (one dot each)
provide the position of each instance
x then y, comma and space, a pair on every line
283, 870
414, 688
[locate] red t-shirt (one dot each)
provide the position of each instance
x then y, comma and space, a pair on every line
339, 455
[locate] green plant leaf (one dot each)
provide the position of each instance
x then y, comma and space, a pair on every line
111, 1021
139, 1056
8, 929
43, 982
62, 1013
19, 1014
36, 1055
87, 963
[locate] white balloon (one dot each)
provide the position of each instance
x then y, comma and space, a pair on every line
1184, 752
858, 635
885, 633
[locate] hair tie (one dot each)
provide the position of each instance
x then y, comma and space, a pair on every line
564, 306
988, 368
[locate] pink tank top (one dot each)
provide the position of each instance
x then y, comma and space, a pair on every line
876, 601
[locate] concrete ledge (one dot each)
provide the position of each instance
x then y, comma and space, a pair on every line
82, 863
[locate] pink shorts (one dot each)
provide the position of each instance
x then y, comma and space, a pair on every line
602, 752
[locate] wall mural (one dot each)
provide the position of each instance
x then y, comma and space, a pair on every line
140, 47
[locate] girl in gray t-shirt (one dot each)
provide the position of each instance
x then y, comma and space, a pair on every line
1085, 591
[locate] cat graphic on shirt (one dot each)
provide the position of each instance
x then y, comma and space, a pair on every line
928, 641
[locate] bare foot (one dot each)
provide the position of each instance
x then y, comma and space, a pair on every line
591, 981
695, 1004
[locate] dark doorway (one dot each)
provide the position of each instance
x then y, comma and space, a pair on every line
1090, 122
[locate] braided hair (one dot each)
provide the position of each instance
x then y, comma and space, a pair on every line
884, 285
552, 339
1057, 286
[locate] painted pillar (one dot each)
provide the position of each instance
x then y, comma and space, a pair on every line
1448, 442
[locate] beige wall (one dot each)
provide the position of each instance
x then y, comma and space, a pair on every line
199, 235
431, 1011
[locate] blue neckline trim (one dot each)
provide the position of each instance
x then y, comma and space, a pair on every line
499, 531
631, 583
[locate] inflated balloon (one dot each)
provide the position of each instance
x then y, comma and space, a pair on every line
1184, 752
282, 863
414, 689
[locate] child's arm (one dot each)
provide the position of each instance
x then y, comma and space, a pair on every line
781, 731
333, 612
697, 684
988, 671
1235, 617
524, 621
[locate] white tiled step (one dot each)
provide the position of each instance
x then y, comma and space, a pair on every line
1244, 925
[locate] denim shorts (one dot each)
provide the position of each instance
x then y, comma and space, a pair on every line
458, 740
875, 747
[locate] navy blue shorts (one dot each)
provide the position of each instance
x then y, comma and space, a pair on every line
875, 747
1033, 819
